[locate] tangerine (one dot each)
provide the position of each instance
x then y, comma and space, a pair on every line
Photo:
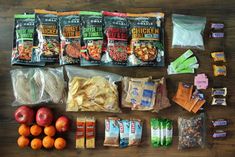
36, 144
50, 130
60, 143
48, 142
23, 142
24, 130
35, 130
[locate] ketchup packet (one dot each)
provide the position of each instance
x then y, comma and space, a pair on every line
147, 39
92, 38
70, 39
46, 41
116, 32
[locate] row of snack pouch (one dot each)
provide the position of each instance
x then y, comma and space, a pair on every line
89, 38
88, 90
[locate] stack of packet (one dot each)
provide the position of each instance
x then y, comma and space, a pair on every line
219, 96
186, 63
189, 100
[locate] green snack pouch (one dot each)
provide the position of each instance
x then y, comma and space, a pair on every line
162, 132
169, 132
181, 59
155, 132
187, 63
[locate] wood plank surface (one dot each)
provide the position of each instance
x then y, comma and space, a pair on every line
214, 10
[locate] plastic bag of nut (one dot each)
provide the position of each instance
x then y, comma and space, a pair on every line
192, 132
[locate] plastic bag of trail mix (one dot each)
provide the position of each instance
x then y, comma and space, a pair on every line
116, 32
147, 39
192, 132
23, 40
46, 41
70, 38
92, 38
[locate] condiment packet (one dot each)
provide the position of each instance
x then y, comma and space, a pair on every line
111, 132
218, 56
124, 126
80, 133
219, 70
201, 81
135, 132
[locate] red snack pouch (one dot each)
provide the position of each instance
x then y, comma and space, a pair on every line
116, 32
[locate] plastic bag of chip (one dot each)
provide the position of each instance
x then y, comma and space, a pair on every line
192, 132
116, 33
91, 90
135, 132
70, 38
188, 31
124, 126
92, 38
23, 40
147, 39
25, 88
46, 41
111, 132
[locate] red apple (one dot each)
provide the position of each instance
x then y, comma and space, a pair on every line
44, 116
62, 124
24, 115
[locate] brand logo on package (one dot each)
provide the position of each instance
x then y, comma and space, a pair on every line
132, 127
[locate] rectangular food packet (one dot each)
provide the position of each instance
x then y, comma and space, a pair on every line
70, 38
90, 132
23, 40
116, 33
169, 132
46, 42
80, 133
135, 132
111, 132
124, 126
92, 38
147, 39
155, 132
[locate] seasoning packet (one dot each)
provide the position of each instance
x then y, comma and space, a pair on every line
155, 132
92, 38
124, 126
90, 132
188, 31
46, 41
192, 132
219, 91
23, 40
147, 39
218, 56
219, 70
70, 38
111, 132
135, 132
80, 133
116, 33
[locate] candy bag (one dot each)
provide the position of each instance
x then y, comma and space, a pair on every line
188, 31
147, 39
191, 132
46, 40
111, 132
23, 40
155, 132
116, 32
92, 38
135, 132
124, 126
70, 38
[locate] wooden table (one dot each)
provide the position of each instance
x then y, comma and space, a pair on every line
221, 11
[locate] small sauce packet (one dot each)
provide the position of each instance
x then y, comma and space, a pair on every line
90, 132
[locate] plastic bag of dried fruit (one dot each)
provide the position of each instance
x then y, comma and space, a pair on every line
92, 90
192, 132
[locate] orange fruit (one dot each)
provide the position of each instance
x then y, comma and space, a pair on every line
36, 144
35, 130
60, 143
24, 130
23, 142
48, 142
50, 130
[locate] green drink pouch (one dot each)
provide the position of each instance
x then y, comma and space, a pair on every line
169, 132
181, 59
155, 132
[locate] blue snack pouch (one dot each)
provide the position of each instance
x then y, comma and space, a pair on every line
124, 126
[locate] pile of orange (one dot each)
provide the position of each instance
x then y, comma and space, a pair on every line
38, 139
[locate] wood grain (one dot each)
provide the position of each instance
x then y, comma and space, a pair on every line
214, 10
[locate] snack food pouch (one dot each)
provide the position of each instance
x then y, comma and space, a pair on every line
23, 40
111, 132
147, 39
92, 38
155, 132
169, 132
135, 132
124, 126
116, 32
90, 132
70, 38
46, 40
